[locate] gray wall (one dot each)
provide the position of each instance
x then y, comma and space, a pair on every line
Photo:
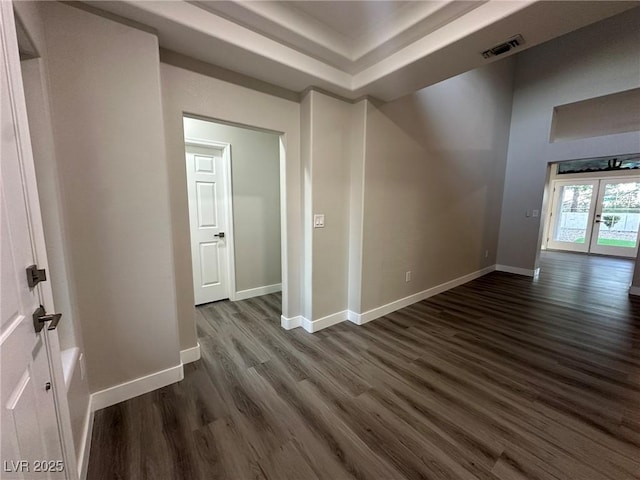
330, 142
107, 118
434, 173
412, 185
307, 205
184, 91
597, 60
255, 177
333, 158
605, 115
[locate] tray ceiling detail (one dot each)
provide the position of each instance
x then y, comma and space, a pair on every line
353, 48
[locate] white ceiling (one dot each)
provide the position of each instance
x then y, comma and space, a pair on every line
353, 48
352, 19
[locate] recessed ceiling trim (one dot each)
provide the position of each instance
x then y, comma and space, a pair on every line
537, 23
475, 20
286, 23
437, 19
448, 50
413, 21
287, 26
173, 19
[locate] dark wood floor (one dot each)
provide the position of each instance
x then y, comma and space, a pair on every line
503, 378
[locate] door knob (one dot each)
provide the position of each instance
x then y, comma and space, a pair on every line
219, 235
40, 317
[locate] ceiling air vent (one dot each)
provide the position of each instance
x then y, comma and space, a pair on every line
505, 47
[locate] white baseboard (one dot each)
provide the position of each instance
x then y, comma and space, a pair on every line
518, 271
292, 322
256, 292
133, 388
85, 448
312, 326
190, 354
634, 290
356, 318
362, 318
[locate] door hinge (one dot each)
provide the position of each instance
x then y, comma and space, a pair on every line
40, 317
35, 275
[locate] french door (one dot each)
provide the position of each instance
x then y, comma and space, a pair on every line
596, 216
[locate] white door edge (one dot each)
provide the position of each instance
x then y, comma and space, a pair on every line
284, 263
34, 219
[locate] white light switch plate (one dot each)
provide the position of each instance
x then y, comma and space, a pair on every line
318, 221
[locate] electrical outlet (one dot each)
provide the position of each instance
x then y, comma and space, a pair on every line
536, 213
407, 276
318, 220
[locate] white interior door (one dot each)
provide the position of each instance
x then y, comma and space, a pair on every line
31, 444
572, 211
617, 218
207, 189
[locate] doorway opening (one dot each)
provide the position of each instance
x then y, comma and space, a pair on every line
594, 212
234, 185
591, 222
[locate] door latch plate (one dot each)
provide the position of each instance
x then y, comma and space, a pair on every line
35, 275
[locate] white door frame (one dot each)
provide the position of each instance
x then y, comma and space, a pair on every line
228, 209
284, 206
284, 259
11, 60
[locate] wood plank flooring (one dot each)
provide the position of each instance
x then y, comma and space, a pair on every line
504, 378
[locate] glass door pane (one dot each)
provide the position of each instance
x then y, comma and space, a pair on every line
572, 215
617, 218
